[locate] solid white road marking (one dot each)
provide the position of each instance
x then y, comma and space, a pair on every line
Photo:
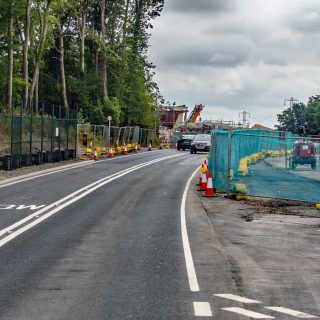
23, 225
47, 172
192, 276
236, 298
291, 312
248, 313
202, 309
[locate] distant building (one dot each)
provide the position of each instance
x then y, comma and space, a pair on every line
261, 127
172, 116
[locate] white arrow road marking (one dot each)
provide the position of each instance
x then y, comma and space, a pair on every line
248, 313
202, 309
9, 233
7, 207
192, 276
291, 312
236, 298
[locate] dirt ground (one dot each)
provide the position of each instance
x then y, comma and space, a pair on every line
262, 206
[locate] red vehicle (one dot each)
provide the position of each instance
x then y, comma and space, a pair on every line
304, 152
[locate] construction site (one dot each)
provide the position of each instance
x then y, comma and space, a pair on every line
176, 120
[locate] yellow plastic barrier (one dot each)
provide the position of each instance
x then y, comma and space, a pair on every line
240, 188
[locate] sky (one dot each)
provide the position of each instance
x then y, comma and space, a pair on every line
236, 55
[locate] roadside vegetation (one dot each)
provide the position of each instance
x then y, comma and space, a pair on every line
300, 114
84, 54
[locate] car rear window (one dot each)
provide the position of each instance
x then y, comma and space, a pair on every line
203, 137
187, 137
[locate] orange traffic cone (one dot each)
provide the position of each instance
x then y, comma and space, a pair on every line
95, 155
150, 147
200, 178
203, 184
136, 149
124, 149
110, 154
210, 190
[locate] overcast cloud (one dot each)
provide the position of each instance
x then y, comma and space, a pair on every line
233, 55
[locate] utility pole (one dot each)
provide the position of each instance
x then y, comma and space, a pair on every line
244, 115
291, 100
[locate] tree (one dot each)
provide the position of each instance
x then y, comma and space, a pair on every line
292, 118
89, 54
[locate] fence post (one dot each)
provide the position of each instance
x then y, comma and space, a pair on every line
52, 127
230, 136
59, 127
124, 135
94, 136
215, 160
20, 132
11, 138
67, 144
30, 133
42, 123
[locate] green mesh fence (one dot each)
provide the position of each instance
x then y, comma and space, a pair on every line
266, 163
28, 137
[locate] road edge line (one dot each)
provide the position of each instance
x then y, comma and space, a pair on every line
34, 175
192, 276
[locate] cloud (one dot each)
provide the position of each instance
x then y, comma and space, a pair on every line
309, 22
206, 58
251, 57
201, 6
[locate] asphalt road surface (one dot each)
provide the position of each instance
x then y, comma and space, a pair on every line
128, 238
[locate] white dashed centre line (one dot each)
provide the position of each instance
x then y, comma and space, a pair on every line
248, 313
236, 298
202, 309
291, 312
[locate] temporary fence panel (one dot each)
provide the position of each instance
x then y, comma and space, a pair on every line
97, 136
266, 163
30, 138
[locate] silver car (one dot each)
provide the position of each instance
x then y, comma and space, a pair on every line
201, 142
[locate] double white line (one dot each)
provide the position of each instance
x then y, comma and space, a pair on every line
34, 219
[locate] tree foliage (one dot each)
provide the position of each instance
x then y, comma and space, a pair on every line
299, 114
84, 54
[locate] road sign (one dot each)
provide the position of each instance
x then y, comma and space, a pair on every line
109, 118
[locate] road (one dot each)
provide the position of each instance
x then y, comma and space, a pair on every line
128, 238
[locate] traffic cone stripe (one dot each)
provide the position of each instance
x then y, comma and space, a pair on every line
203, 184
110, 155
210, 190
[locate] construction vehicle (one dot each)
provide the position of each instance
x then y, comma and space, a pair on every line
195, 113
304, 152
